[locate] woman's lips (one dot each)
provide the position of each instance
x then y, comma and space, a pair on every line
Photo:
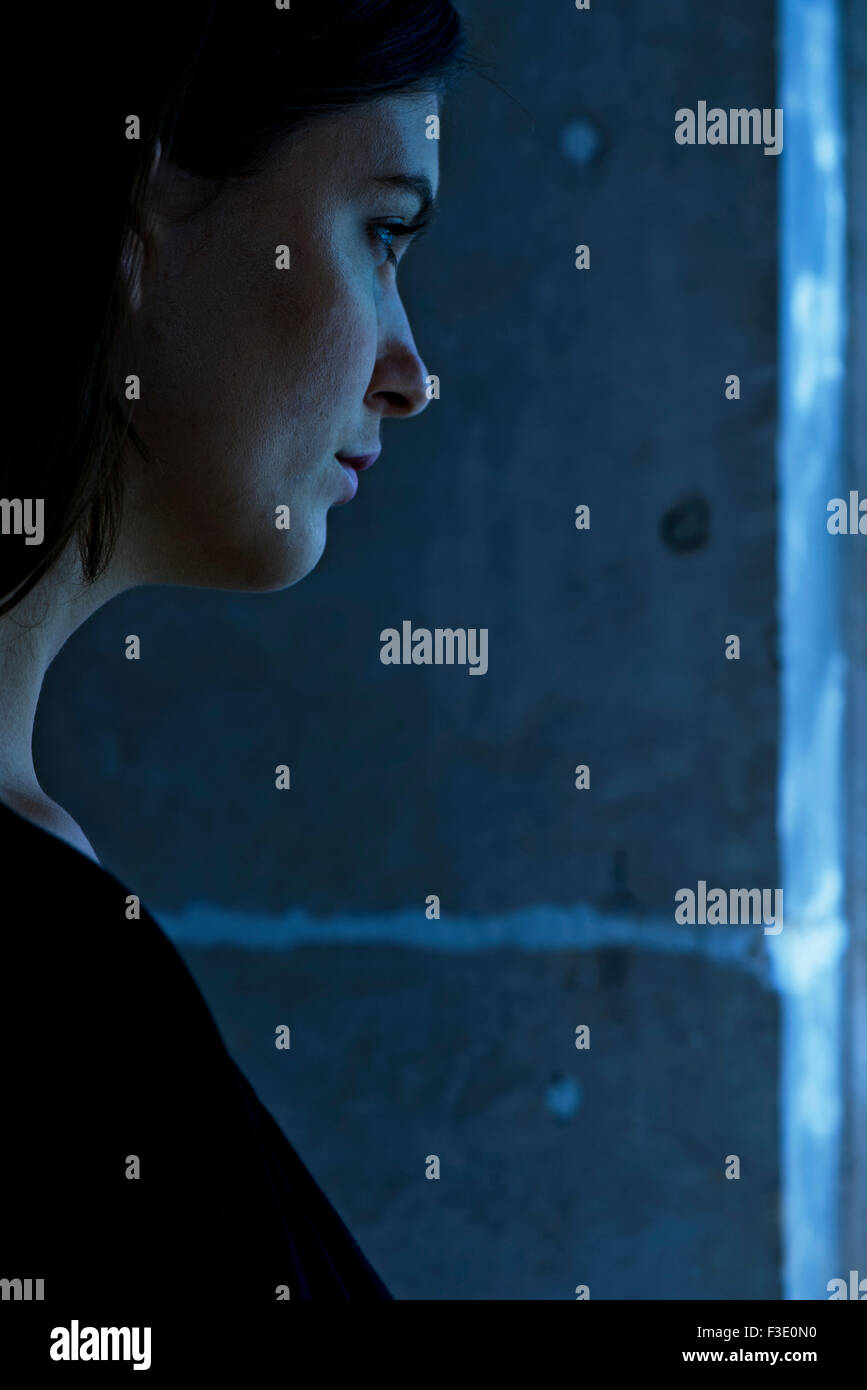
352, 465
358, 461
351, 483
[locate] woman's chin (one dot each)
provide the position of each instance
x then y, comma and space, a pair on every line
285, 563
252, 562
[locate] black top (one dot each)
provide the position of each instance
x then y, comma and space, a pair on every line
109, 1051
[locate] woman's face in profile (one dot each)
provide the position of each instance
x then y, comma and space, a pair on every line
254, 378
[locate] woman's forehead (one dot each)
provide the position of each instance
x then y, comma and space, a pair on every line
376, 140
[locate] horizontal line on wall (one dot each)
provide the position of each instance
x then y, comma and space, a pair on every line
538, 928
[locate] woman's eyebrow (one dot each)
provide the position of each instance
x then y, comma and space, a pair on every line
419, 184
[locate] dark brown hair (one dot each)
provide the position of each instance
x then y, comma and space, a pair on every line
217, 85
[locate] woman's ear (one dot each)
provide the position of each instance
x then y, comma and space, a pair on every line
133, 251
131, 262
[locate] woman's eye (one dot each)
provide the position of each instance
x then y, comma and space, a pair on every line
386, 233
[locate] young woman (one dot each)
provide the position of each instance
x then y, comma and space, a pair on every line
215, 207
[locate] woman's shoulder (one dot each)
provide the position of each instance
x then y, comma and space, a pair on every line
80, 947
108, 1025
19, 814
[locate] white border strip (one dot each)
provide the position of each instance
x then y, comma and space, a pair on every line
808, 954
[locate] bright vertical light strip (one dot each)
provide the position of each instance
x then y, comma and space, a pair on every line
808, 954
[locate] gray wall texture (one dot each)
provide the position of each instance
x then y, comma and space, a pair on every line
606, 647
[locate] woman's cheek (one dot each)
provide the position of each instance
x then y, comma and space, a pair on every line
352, 346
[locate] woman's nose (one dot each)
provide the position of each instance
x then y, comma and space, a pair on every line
399, 383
